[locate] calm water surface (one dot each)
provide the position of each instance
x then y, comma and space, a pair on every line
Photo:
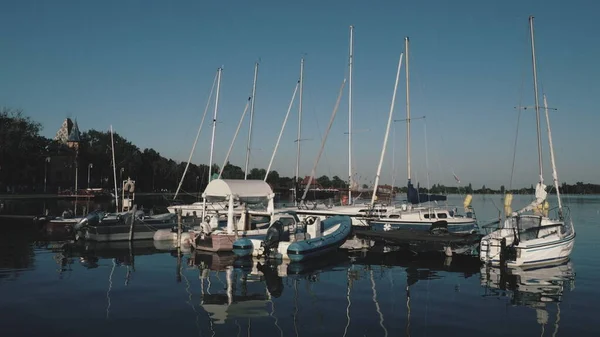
139, 290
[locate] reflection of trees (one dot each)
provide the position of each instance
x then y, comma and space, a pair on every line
16, 251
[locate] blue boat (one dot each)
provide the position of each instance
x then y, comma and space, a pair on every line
319, 237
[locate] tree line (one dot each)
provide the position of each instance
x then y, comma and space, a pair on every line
25, 156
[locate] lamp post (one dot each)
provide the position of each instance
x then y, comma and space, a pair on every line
122, 170
90, 166
46, 162
197, 178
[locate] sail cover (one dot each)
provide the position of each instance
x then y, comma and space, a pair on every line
414, 197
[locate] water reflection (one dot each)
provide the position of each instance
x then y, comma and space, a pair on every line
342, 294
536, 288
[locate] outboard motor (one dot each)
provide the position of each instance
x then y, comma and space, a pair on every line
274, 234
91, 219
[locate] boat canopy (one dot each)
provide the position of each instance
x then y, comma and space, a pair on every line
248, 191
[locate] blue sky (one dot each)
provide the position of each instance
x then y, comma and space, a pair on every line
147, 67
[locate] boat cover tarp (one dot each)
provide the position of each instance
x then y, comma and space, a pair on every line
414, 197
243, 190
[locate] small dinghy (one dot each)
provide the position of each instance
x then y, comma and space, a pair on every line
320, 237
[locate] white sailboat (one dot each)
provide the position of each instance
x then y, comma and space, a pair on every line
532, 239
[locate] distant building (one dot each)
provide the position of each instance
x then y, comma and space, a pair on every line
61, 162
62, 135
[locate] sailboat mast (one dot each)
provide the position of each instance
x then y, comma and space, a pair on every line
112, 148
537, 105
251, 120
554, 173
350, 63
214, 124
407, 111
387, 132
299, 129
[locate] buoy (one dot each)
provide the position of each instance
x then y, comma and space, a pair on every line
467, 202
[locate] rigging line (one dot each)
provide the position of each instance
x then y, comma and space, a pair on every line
197, 135
523, 74
314, 112
421, 87
313, 171
237, 130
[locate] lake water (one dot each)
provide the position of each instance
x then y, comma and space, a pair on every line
139, 290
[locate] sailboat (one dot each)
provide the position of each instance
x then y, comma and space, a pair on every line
413, 215
531, 239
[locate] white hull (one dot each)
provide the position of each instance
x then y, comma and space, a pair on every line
552, 241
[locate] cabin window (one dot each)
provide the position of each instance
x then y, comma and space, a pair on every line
429, 216
394, 216
372, 211
442, 216
529, 228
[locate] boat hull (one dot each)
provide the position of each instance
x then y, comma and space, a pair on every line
530, 255
223, 242
453, 227
104, 233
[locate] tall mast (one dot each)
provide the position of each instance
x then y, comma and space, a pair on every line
387, 132
214, 125
537, 105
251, 120
350, 62
112, 148
554, 173
407, 111
299, 128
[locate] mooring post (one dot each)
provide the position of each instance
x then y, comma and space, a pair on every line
132, 222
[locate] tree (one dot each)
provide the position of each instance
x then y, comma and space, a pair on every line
324, 181
273, 178
22, 150
502, 189
338, 183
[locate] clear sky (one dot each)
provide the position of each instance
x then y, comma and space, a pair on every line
147, 67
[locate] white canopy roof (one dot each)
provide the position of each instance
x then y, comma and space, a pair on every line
220, 189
